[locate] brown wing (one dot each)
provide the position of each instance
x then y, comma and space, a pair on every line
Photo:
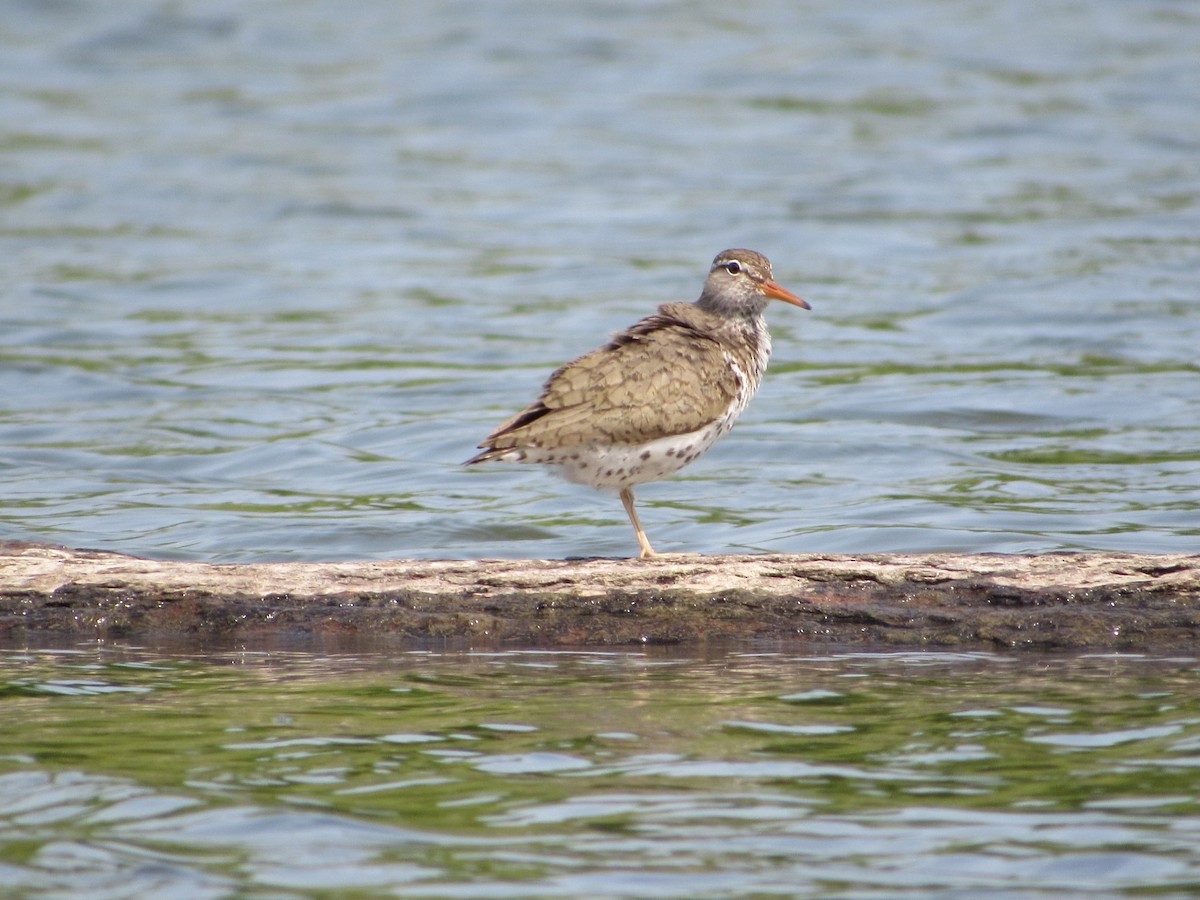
660, 377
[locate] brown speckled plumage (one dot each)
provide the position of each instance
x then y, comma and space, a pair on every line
629, 390
657, 395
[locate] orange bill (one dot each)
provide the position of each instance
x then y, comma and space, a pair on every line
771, 289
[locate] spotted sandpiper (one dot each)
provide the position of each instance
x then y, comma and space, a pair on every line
656, 396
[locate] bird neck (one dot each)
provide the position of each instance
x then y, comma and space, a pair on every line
720, 304
743, 333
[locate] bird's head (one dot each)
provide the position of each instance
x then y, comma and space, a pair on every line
740, 282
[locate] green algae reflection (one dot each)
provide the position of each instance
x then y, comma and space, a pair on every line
608, 756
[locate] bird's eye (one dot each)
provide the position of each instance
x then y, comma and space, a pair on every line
733, 267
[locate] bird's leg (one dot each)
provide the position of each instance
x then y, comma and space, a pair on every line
643, 541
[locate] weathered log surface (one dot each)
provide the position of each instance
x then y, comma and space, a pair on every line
1103, 601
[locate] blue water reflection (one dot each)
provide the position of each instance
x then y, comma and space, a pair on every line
272, 270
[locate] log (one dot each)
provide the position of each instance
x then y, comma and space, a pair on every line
1097, 601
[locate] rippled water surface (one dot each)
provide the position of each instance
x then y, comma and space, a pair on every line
271, 270
127, 772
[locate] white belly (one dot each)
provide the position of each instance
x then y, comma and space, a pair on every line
617, 466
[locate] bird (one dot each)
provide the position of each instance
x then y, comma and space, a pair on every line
658, 395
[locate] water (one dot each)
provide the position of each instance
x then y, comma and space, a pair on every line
272, 270
142, 772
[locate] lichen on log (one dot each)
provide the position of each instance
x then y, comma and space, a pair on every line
1102, 601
